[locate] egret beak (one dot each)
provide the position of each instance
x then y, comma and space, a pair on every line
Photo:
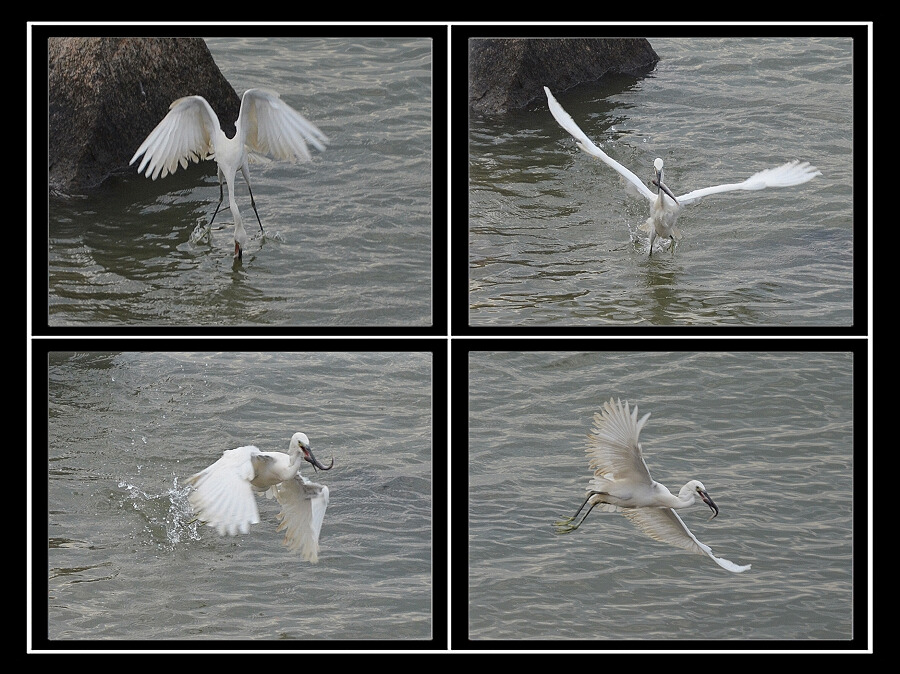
308, 456
708, 501
661, 185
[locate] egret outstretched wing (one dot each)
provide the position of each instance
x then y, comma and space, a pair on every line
222, 496
614, 451
786, 175
274, 129
586, 145
303, 505
665, 526
185, 134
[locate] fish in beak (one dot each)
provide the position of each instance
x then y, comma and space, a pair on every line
708, 501
662, 186
308, 456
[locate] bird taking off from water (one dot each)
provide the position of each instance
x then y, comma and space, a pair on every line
265, 126
222, 494
665, 207
622, 483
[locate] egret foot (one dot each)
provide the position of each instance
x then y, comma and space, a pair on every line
565, 526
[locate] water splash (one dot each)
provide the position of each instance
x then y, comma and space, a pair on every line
201, 234
168, 517
274, 236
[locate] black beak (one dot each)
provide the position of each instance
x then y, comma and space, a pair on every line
661, 185
308, 455
708, 501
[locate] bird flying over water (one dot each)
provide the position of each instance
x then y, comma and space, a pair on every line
622, 483
223, 493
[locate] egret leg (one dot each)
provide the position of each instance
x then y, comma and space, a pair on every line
652, 239
221, 197
252, 202
565, 525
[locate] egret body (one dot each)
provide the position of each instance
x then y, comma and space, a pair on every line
190, 131
222, 494
622, 483
664, 206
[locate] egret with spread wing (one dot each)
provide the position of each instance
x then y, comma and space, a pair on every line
622, 483
222, 494
266, 126
665, 207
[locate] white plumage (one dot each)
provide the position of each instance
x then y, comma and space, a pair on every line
665, 207
190, 132
622, 483
223, 493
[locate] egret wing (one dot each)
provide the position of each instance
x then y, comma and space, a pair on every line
185, 134
222, 496
273, 128
664, 525
584, 143
786, 175
613, 450
303, 505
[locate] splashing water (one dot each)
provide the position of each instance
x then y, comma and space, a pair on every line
168, 516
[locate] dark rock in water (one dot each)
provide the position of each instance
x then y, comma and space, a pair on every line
507, 74
107, 94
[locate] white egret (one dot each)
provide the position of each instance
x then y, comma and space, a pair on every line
266, 126
622, 483
664, 211
222, 494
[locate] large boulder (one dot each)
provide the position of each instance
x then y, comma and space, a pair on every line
507, 74
107, 94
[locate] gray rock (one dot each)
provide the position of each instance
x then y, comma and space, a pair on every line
507, 74
107, 94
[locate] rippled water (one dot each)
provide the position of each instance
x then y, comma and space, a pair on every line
553, 235
126, 561
348, 235
770, 434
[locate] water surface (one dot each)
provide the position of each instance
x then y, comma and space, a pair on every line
348, 235
127, 561
771, 436
553, 237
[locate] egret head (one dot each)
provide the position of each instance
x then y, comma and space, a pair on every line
300, 444
700, 490
695, 489
658, 180
240, 239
